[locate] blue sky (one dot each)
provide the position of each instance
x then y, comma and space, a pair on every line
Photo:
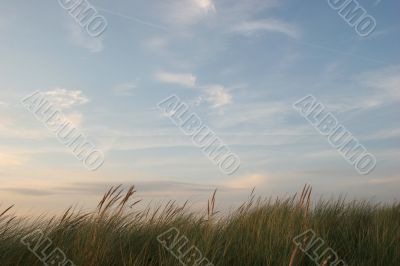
239, 64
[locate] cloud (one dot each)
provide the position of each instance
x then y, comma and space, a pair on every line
249, 181
142, 186
156, 43
183, 79
380, 87
189, 12
98, 188
383, 134
132, 18
377, 181
266, 25
215, 95
28, 191
385, 83
75, 118
9, 160
205, 5
218, 96
81, 38
65, 99
124, 88
267, 115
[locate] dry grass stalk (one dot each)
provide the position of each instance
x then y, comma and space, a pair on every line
304, 204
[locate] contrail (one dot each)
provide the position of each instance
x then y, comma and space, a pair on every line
160, 27
340, 52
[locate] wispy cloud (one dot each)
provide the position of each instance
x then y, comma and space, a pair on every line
268, 114
183, 79
65, 99
380, 87
75, 118
98, 188
384, 82
205, 5
28, 191
9, 160
218, 96
132, 18
156, 43
125, 89
267, 25
383, 134
249, 181
80, 38
187, 13
386, 180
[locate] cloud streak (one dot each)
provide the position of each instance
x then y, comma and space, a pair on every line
218, 96
125, 89
249, 181
267, 25
133, 18
182, 79
79, 37
66, 99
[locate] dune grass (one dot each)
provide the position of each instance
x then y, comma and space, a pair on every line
260, 232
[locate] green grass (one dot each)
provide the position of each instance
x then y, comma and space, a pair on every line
260, 232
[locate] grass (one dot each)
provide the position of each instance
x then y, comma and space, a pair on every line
260, 232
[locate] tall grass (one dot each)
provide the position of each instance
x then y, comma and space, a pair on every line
260, 232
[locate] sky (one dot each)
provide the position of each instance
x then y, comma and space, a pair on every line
239, 65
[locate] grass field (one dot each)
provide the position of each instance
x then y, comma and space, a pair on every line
260, 232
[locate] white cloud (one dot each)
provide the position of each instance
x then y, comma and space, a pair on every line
377, 181
205, 5
156, 43
380, 87
266, 115
132, 18
384, 82
218, 96
75, 118
125, 88
189, 12
267, 25
66, 98
197, 101
183, 79
9, 160
383, 134
81, 38
249, 181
